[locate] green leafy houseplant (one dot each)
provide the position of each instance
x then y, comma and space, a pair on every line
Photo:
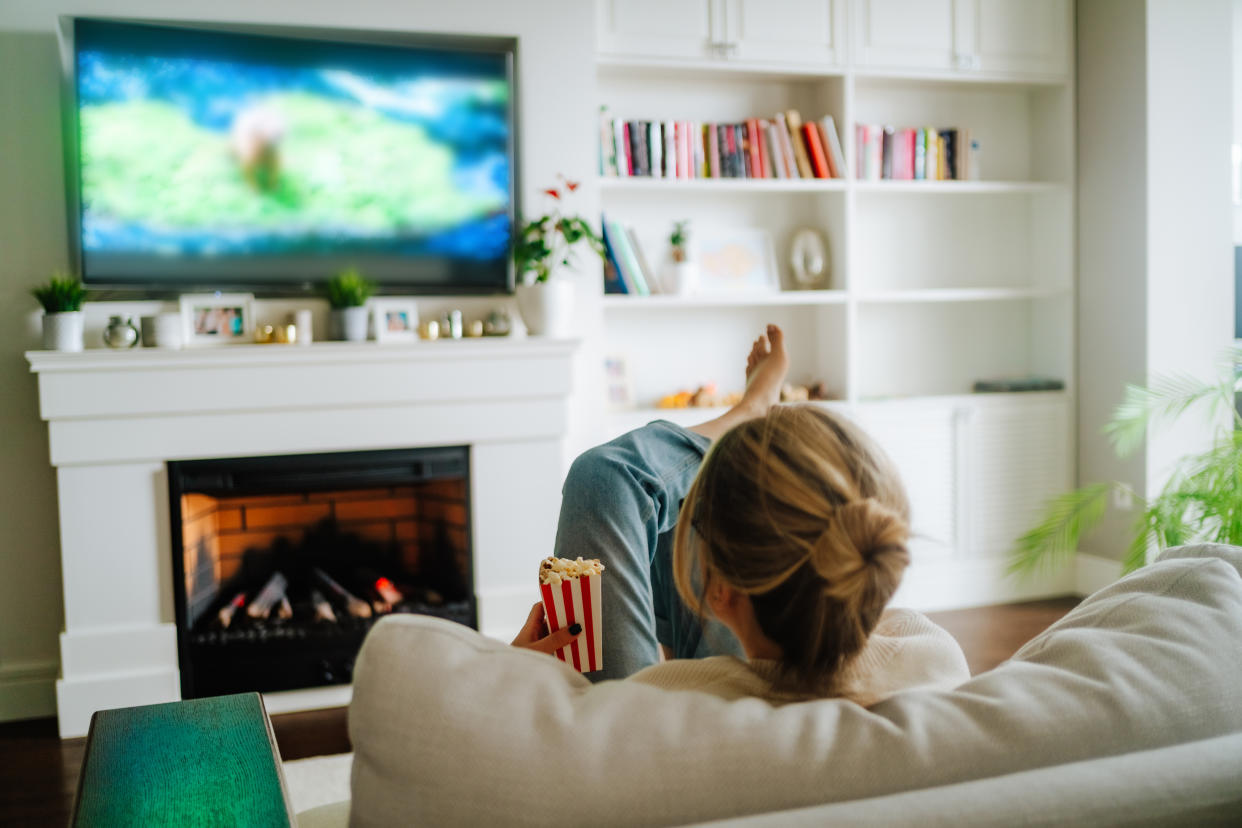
548, 242
1202, 501
678, 240
349, 289
62, 294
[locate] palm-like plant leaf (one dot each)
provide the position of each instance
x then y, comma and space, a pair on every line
1166, 399
1067, 518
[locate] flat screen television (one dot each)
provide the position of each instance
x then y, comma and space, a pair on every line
272, 158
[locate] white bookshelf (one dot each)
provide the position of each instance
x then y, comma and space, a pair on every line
934, 284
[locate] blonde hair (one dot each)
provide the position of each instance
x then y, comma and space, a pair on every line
802, 512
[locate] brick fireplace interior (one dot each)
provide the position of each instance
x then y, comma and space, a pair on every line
282, 564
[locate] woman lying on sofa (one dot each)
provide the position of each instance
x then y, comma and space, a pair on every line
774, 532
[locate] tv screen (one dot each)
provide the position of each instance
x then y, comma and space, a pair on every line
214, 158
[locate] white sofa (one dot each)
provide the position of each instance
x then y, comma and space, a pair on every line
1127, 711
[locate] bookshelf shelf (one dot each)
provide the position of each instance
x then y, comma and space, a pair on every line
890, 297
959, 187
721, 185
785, 298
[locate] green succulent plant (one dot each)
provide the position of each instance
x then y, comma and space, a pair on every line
62, 294
348, 289
1202, 501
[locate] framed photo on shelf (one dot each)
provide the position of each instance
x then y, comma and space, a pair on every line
217, 318
619, 383
738, 260
396, 320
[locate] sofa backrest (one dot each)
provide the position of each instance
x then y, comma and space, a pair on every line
451, 728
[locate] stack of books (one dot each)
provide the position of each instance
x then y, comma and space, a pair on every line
914, 154
780, 147
626, 269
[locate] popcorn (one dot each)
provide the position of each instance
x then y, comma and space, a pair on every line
571, 594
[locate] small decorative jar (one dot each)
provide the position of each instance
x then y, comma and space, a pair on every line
120, 333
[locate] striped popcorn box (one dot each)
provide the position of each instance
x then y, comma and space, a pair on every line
569, 599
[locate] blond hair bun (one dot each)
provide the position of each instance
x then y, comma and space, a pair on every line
871, 536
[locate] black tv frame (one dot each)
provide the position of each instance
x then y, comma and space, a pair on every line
146, 288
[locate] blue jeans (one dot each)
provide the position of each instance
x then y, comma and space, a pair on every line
620, 505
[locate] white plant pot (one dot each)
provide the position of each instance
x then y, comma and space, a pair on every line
547, 307
62, 331
681, 278
351, 323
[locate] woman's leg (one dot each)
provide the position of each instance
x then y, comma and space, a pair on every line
620, 505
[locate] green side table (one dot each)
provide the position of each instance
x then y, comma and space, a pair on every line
202, 762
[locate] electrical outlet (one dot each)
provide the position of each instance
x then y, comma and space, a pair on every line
1122, 500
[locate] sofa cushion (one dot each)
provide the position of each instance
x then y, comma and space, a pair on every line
450, 727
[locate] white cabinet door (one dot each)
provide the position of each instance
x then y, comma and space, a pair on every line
1020, 36
660, 28
922, 441
909, 34
807, 32
1019, 458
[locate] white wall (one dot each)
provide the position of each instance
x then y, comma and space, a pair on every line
556, 89
1154, 235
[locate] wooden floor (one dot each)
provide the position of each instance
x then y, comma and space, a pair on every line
39, 772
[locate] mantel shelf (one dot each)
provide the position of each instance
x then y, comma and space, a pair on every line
320, 353
958, 187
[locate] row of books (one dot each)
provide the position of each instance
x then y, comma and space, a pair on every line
780, 147
626, 268
915, 154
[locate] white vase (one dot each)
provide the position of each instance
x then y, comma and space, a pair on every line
62, 331
547, 307
681, 278
351, 323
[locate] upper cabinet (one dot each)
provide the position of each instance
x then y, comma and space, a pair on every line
1012, 37
806, 33
661, 28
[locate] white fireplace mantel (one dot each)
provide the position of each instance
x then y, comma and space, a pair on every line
115, 419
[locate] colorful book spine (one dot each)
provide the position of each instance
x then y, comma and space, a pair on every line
631, 272
886, 165
752, 146
791, 164
670, 150
713, 151
794, 122
931, 162
819, 163
624, 143
607, 148
835, 154
619, 281
920, 154
774, 146
655, 145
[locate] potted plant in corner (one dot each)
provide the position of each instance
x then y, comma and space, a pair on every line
1202, 501
348, 292
61, 299
542, 253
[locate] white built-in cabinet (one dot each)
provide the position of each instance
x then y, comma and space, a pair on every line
934, 285
808, 31
967, 36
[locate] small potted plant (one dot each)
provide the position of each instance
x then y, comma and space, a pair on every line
543, 253
61, 299
348, 292
681, 272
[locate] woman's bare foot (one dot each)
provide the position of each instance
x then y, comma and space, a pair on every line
766, 367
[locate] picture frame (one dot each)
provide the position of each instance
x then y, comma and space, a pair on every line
209, 319
395, 320
735, 260
618, 383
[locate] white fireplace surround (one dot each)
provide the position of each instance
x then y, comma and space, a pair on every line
116, 418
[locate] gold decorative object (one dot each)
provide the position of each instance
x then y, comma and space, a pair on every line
475, 328
429, 329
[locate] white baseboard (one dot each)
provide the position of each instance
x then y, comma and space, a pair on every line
1095, 572
28, 690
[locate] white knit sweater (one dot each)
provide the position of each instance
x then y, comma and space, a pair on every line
905, 651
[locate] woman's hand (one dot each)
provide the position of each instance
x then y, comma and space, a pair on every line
534, 633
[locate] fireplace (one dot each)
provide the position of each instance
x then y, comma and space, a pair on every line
282, 564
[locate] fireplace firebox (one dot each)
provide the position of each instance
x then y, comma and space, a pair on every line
282, 564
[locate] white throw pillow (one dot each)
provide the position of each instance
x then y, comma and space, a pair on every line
452, 728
